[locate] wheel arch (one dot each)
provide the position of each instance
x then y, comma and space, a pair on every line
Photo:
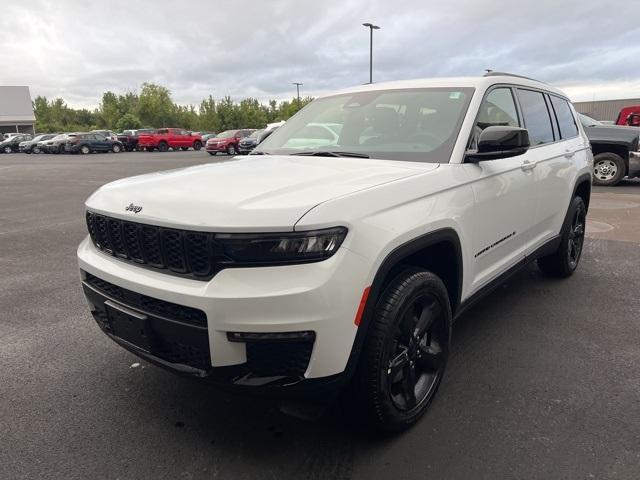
582, 189
436, 251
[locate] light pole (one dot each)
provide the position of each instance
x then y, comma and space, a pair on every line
371, 28
298, 85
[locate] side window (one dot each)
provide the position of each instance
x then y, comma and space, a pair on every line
497, 109
566, 121
536, 116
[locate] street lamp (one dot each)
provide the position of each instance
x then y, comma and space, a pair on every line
371, 28
298, 85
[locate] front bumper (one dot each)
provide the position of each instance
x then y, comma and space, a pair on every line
218, 147
321, 298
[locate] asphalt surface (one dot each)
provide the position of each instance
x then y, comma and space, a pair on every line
543, 380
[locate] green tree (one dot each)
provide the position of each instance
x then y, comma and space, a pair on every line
128, 121
155, 106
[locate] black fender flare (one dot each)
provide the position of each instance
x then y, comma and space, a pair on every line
391, 260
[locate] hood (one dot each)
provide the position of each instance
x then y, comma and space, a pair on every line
257, 193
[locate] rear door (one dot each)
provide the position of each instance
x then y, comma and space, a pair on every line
504, 195
550, 158
556, 168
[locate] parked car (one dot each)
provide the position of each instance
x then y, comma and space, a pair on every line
53, 145
31, 146
107, 134
616, 151
227, 141
12, 144
207, 136
129, 139
85, 143
7, 136
247, 144
629, 116
313, 268
165, 138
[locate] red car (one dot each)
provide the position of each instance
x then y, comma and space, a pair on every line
165, 138
629, 116
227, 141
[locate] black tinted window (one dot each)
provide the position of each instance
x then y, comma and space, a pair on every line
566, 121
536, 116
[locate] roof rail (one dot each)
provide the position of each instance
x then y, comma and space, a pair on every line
507, 74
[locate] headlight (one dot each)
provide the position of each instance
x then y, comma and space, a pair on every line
280, 248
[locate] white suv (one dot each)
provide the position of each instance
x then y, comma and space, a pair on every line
304, 268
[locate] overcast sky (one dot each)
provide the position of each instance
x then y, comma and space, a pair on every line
79, 49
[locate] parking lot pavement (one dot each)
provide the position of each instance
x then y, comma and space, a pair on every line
543, 381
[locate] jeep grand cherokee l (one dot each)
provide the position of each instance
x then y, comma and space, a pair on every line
307, 268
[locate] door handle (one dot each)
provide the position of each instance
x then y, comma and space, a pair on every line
569, 153
528, 165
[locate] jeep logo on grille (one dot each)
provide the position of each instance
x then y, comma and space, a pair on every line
133, 208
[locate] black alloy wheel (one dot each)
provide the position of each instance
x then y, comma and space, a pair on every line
564, 261
406, 350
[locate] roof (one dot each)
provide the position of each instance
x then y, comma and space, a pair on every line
15, 105
460, 82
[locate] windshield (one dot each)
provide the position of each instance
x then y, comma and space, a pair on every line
226, 134
409, 124
588, 121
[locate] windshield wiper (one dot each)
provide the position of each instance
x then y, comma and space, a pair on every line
325, 153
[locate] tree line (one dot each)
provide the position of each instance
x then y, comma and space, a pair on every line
154, 107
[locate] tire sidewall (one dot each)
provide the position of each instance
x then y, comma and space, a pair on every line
84, 150
404, 288
232, 150
619, 164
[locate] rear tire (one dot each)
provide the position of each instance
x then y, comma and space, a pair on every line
163, 147
7, 150
84, 150
231, 150
406, 350
116, 148
212, 153
564, 261
608, 169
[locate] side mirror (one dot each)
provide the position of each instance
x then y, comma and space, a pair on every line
499, 142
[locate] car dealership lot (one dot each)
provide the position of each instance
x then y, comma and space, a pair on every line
541, 384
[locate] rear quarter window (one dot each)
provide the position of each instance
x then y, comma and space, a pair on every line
566, 121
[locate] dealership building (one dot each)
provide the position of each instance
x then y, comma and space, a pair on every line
605, 110
16, 110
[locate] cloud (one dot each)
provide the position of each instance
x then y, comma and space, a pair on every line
78, 50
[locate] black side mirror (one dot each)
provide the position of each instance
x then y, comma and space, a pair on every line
499, 142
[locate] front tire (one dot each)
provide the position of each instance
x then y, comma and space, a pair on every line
197, 145
116, 148
7, 150
406, 350
231, 149
608, 169
564, 261
163, 147
84, 150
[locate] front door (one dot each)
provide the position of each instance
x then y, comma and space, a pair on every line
504, 195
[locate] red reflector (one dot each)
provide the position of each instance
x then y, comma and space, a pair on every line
363, 302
